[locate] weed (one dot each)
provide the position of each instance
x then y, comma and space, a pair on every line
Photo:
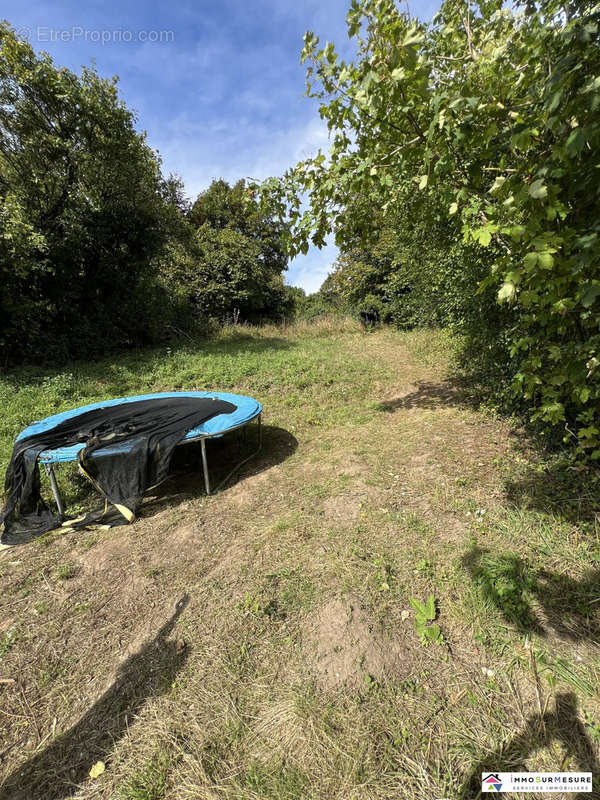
41, 607
10, 638
275, 783
252, 605
65, 572
423, 566
425, 615
593, 728
153, 572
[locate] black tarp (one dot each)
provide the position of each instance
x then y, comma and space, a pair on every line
143, 433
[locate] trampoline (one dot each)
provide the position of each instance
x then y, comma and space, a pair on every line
246, 410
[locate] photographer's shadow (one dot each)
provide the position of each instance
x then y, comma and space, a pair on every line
61, 768
562, 724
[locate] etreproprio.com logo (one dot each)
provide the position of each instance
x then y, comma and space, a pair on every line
77, 33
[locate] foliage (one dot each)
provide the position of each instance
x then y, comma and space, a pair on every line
83, 209
230, 262
98, 250
295, 301
425, 615
415, 268
493, 112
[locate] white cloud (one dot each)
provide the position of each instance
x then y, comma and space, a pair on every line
236, 149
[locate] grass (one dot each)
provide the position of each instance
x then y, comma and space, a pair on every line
149, 782
293, 666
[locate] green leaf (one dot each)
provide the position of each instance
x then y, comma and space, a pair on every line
593, 85
555, 101
412, 39
522, 140
418, 606
575, 142
453, 209
484, 237
517, 232
423, 181
498, 183
430, 607
545, 260
507, 291
538, 190
589, 293
433, 633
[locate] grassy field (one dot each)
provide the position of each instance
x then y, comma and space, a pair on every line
396, 595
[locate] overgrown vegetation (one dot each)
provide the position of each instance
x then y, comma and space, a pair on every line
482, 127
83, 208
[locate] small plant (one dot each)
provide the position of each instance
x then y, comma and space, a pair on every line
371, 683
88, 543
251, 605
65, 571
425, 614
384, 573
153, 572
424, 567
41, 607
592, 727
8, 640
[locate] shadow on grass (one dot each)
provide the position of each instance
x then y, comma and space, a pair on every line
223, 455
109, 369
186, 479
566, 605
567, 490
562, 725
433, 395
60, 769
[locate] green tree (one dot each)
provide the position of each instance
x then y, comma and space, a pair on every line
83, 209
235, 257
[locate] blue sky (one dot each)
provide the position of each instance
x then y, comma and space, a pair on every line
220, 95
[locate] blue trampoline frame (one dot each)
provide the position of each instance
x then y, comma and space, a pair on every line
247, 409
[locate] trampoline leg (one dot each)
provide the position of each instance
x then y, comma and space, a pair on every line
205, 466
59, 503
245, 460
